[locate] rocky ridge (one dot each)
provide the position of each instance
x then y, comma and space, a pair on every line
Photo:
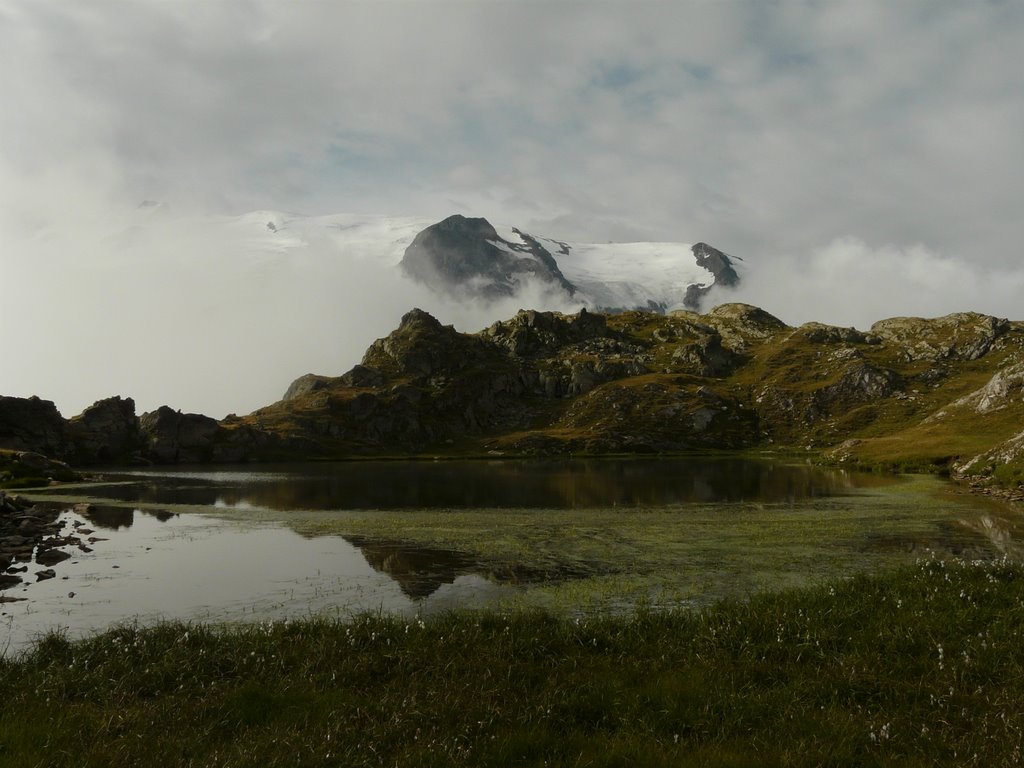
943, 393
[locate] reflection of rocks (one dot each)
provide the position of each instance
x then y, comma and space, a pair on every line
999, 532
112, 518
52, 556
419, 571
26, 529
952, 538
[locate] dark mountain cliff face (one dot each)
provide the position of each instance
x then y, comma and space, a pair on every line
468, 257
721, 268
941, 393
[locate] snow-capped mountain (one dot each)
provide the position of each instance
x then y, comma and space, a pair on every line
469, 258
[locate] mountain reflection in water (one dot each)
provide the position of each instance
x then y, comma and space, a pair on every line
555, 484
418, 571
114, 518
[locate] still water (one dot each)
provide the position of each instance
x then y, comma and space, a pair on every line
270, 543
552, 484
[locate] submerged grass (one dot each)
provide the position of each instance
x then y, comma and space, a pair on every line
595, 559
923, 665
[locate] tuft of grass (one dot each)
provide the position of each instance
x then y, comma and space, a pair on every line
921, 666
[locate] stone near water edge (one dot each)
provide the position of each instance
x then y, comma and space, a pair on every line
52, 556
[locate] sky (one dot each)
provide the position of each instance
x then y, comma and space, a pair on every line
864, 158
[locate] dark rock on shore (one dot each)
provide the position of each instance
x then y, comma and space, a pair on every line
31, 424
173, 436
24, 529
106, 432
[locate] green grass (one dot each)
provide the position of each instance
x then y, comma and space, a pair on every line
921, 666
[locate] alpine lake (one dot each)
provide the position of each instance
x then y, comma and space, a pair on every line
260, 543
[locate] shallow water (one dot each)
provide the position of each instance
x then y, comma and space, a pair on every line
150, 567
417, 537
549, 484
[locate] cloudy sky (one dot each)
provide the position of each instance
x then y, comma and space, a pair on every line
865, 158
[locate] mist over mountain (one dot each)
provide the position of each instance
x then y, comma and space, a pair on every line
218, 314
468, 259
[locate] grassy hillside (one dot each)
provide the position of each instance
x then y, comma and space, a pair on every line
941, 394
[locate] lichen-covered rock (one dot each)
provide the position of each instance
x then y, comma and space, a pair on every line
959, 336
707, 357
819, 333
860, 382
741, 325
997, 392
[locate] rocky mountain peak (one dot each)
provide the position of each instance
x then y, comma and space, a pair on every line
719, 265
418, 318
466, 256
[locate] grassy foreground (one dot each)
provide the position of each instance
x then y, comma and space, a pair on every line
921, 666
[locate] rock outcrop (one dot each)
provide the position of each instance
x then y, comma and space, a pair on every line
31, 424
960, 336
107, 432
173, 436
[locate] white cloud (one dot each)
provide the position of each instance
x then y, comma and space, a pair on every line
851, 283
769, 130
